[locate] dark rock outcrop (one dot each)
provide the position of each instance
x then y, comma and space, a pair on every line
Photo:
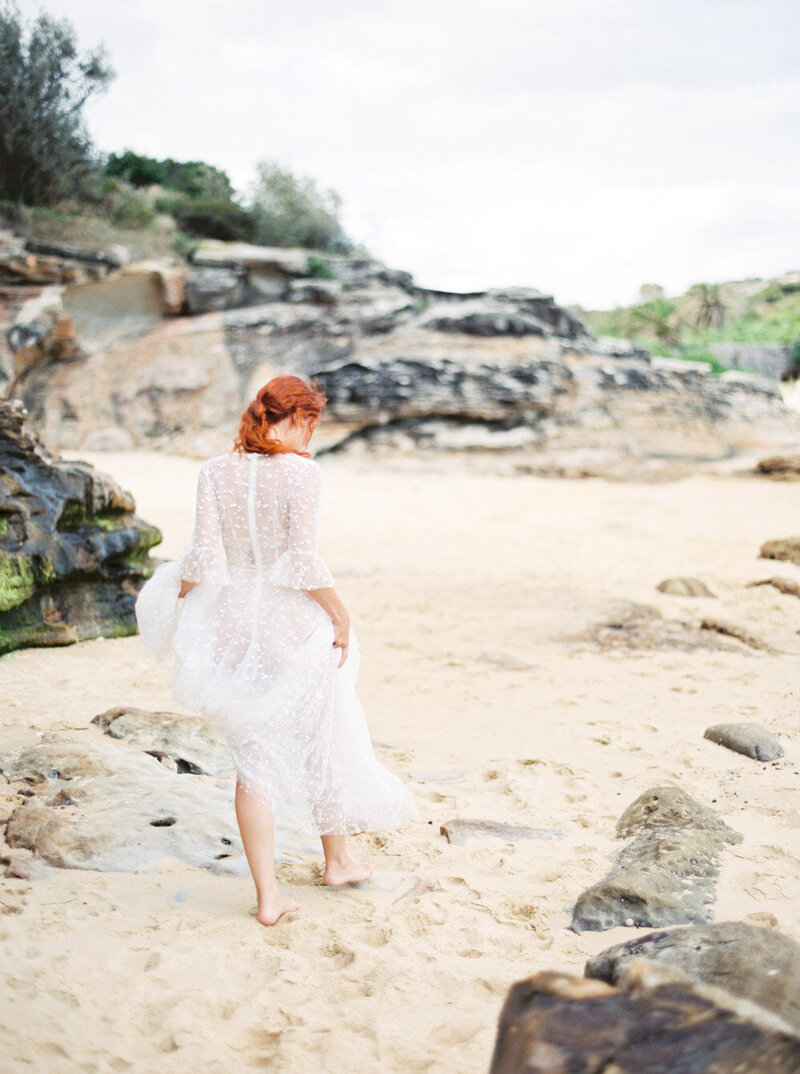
658, 1023
758, 964
667, 874
73, 555
780, 467
751, 739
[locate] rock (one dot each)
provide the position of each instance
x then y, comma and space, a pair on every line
188, 740
110, 807
639, 626
758, 964
751, 739
73, 555
731, 630
323, 292
458, 831
685, 587
783, 585
768, 359
667, 874
406, 368
113, 259
780, 467
787, 548
208, 289
554, 1023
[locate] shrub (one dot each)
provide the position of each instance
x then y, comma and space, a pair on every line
292, 211
319, 268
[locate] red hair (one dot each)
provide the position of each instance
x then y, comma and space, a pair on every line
278, 399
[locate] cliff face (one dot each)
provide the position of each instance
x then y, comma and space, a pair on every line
153, 356
73, 556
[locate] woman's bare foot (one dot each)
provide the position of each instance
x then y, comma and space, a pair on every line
273, 906
345, 871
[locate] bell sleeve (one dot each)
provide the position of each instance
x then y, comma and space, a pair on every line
202, 560
300, 566
158, 605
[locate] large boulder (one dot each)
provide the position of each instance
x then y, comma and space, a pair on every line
73, 555
755, 963
657, 1022
667, 873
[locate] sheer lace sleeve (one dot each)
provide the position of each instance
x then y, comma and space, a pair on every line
202, 560
300, 567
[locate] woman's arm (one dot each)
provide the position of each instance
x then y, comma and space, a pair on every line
329, 600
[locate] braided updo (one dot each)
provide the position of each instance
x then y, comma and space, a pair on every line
278, 399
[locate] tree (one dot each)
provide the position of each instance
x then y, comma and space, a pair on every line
45, 150
292, 211
706, 308
656, 318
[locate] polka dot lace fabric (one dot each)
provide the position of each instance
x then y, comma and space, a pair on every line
255, 653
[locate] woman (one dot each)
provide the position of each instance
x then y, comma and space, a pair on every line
263, 645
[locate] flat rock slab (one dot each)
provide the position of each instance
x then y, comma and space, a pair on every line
751, 739
553, 1024
667, 874
786, 548
106, 806
733, 630
758, 964
187, 740
640, 626
783, 585
685, 587
459, 831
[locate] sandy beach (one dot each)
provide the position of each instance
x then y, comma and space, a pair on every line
467, 590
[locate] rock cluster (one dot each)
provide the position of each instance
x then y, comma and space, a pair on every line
73, 555
173, 355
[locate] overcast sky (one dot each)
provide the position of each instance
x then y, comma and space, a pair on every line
579, 146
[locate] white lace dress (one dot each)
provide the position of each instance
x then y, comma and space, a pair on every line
255, 652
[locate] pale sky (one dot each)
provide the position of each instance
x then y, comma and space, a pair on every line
583, 147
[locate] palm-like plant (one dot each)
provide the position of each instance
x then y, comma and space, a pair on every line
705, 307
656, 318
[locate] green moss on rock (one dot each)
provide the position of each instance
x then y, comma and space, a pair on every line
16, 580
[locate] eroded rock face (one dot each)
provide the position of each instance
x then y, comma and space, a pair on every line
108, 806
73, 555
758, 964
656, 1024
405, 368
667, 874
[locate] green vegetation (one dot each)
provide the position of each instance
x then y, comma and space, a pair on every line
45, 151
748, 311
319, 268
55, 186
292, 211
